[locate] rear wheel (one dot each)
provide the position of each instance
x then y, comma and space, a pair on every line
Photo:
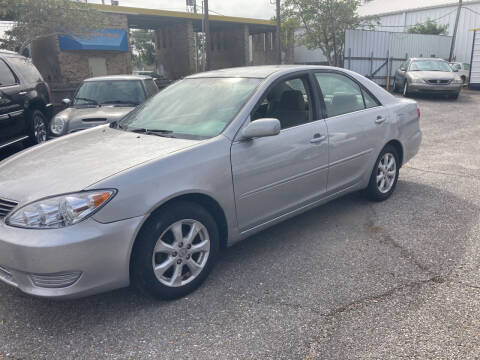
175, 251
384, 175
38, 128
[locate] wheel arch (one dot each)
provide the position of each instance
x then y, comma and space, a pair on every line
202, 199
399, 147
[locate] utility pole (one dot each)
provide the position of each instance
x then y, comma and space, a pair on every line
452, 48
279, 34
207, 36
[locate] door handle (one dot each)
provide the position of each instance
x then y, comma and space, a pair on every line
22, 93
318, 138
380, 119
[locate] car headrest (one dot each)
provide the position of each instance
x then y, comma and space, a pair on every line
292, 100
344, 100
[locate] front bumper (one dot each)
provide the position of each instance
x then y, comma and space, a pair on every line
435, 89
76, 261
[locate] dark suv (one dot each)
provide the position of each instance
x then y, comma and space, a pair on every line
25, 108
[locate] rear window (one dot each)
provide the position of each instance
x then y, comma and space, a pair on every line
25, 69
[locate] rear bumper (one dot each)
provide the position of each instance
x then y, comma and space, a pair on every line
80, 260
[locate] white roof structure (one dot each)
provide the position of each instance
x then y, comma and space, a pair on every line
380, 7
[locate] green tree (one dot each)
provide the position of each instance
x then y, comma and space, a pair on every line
143, 47
325, 22
429, 27
36, 19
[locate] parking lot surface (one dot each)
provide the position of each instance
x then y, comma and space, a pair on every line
349, 280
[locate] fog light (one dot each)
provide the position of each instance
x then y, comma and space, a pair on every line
59, 280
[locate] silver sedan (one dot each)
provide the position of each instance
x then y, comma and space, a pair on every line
152, 199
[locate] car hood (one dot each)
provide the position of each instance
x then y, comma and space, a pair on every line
74, 162
103, 112
433, 75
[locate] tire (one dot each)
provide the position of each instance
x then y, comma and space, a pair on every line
464, 80
375, 191
157, 246
406, 93
394, 89
38, 128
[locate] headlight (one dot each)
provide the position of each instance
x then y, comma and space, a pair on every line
416, 80
60, 211
457, 81
58, 125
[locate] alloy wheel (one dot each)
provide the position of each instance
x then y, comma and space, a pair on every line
386, 173
181, 253
39, 129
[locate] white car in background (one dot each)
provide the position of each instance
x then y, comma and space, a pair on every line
463, 70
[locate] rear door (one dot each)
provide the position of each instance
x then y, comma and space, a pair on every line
12, 98
356, 124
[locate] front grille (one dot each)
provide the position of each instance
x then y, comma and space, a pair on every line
439, 82
6, 206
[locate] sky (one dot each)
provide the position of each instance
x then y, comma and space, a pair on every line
261, 9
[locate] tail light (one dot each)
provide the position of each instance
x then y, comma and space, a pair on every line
418, 113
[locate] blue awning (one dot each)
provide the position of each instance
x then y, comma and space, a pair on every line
106, 40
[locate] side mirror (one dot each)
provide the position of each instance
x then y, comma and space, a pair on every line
66, 102
261, 128
455, 70
402, 68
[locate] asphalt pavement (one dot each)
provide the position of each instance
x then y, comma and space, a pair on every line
349, 280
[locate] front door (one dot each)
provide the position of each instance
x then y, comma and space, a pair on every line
356, 129
276, 175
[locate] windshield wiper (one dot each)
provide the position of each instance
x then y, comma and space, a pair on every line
164, 133
86, 99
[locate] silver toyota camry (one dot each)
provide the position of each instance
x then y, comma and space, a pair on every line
153, 198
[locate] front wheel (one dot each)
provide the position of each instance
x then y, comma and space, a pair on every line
384, 175
406, 93
175, 251
394, 88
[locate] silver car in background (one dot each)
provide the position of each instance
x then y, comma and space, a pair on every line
207, 162
102, 100
427, 76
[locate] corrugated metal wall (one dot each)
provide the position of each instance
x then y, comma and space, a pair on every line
366, 51
475, 69
469, 19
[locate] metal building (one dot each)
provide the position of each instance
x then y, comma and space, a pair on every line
399, 15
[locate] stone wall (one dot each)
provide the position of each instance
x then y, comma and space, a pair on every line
264, 49
65, 70
229, 47
175, 49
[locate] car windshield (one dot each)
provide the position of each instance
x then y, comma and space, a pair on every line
198, 108
430, 65
111, 92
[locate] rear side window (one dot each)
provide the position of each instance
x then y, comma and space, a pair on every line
370, 101
25, 68
151, 87
6, 76
466, 66
340, 94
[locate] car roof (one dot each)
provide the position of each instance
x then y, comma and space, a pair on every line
437, 59
118, 77
259, 72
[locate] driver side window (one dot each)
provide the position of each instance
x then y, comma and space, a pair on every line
288, 101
